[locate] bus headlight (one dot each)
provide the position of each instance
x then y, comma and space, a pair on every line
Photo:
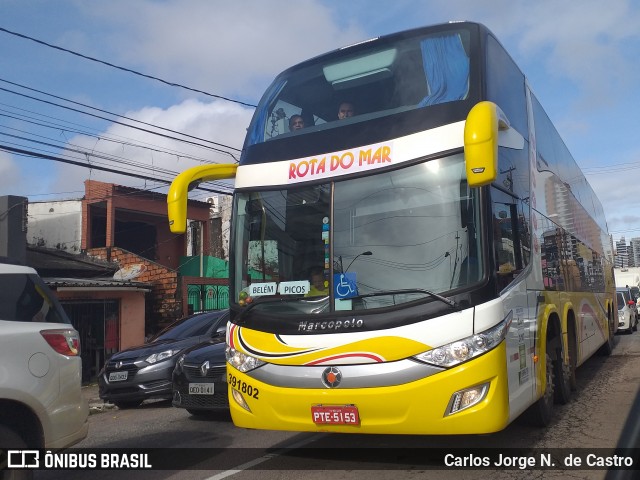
461, 351
242, 361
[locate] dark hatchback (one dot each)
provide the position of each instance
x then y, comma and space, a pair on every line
200, 379
131, 376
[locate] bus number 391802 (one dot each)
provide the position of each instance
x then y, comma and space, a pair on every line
243, 387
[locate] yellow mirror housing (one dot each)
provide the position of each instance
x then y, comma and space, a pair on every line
481, 143
179, 189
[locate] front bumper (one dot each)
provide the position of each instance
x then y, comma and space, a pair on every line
624, 323
153, 381
416, 407
219, 400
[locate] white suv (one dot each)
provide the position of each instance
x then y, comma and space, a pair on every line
41, 403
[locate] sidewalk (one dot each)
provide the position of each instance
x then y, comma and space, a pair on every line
96, 404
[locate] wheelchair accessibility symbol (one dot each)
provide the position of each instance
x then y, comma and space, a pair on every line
344, 285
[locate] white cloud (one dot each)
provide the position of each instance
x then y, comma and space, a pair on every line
587, 42
616, 195
221, 46
219, 121
11, 177
591, 43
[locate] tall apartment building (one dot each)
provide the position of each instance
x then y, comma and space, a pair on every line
634, 252
622, 254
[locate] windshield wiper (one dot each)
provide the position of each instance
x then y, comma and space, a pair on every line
271, 300
445, 300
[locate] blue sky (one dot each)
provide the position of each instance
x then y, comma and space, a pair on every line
581, 58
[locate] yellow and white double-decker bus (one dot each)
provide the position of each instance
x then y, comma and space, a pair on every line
413, 249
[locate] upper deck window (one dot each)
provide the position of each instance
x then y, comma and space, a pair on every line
371, 80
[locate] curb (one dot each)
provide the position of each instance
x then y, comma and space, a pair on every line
100, 407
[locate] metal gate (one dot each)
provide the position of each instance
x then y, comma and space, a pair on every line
98, 324
207, 297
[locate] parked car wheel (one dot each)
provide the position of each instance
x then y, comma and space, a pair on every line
10, 439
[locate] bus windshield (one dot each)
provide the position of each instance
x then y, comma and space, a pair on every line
364, 82
375, 241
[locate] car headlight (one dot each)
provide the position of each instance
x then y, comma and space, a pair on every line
242, 361
159, 357
179, 364
461, 351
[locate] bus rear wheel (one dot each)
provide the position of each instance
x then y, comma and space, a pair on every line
573, 356
607, 348
562, 377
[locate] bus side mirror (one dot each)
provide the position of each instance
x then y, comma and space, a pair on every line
481, 142
179, 190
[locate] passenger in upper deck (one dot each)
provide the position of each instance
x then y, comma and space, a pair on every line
346, 110
296, 122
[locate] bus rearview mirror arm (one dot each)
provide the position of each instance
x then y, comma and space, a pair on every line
178, 191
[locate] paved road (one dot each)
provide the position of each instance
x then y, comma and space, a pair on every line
593, 419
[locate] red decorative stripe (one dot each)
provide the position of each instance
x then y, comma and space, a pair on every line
375, 358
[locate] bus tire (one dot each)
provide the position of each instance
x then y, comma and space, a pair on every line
607, 348
540, 413
562, 377
573, 356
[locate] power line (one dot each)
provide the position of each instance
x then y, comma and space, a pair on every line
29, 153
61, 145
113, 159
107, 112
122, 123
112, 139
86, 152
124, 69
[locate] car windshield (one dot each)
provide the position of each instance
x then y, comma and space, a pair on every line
192, 326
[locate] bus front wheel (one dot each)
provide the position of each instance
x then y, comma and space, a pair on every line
540, 413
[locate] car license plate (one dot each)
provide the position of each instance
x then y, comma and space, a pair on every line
335, 414
201, 389
118, 376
